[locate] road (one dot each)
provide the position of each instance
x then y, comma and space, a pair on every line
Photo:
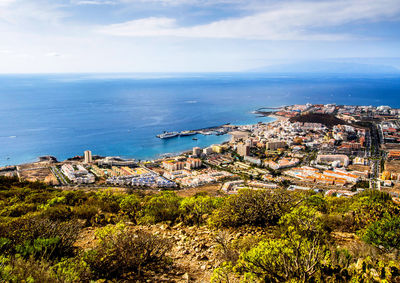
375, 153
60, 177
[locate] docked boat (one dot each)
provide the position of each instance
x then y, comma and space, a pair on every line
187, 133
167, 135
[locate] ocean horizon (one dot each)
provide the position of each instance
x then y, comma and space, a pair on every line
120, 114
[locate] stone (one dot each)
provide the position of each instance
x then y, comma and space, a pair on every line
202, 257
186, 276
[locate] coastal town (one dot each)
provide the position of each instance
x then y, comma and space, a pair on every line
335, 149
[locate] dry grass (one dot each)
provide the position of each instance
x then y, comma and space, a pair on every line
393, 166
212, 190
360, 168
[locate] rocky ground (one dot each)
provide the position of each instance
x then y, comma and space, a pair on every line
195, 252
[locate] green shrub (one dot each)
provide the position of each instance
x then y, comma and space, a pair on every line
306, 221
123, 254
60, 212
38, 248
4, 245
130, 206
15, 270
18, 209
72, 270
372, 205
281, 260
25, 231
384, 233
340, 222
76, 197
108, 201
161, 207
85, 212
318, 202
194, 210
338, 205
252, 207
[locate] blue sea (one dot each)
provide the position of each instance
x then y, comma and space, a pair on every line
120, 114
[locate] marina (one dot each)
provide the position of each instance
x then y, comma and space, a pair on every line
217, 130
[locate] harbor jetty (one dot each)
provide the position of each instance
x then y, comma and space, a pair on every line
214, 130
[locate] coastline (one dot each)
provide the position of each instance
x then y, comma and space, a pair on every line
166, 154
129, 128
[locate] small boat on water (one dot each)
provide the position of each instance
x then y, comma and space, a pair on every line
195, 139
167, 135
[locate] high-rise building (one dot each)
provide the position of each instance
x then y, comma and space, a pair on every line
193, 163
217, 148
207, 150
243, 150
273, 145
88, 156
172, 165
196, 151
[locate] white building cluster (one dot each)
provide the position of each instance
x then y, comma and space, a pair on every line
77, 174
150, 179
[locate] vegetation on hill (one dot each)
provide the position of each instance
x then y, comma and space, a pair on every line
281, 236
326, 119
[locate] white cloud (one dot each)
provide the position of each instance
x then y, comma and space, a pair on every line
53, 54
285, 21
94, 2
6, 2
195, 2
30, 13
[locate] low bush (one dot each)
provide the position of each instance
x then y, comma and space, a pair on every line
130, 206
85, 212
160, 207
252, 207
38, 235
283, 260
108, 201
372, 205
123, 254
384, 233
18, 269
59, 212
195, 210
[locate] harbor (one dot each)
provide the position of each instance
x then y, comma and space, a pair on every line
215, 130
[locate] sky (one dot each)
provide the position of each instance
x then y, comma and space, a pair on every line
57, 36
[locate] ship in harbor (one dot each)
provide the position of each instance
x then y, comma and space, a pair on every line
167, 135
187, 133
